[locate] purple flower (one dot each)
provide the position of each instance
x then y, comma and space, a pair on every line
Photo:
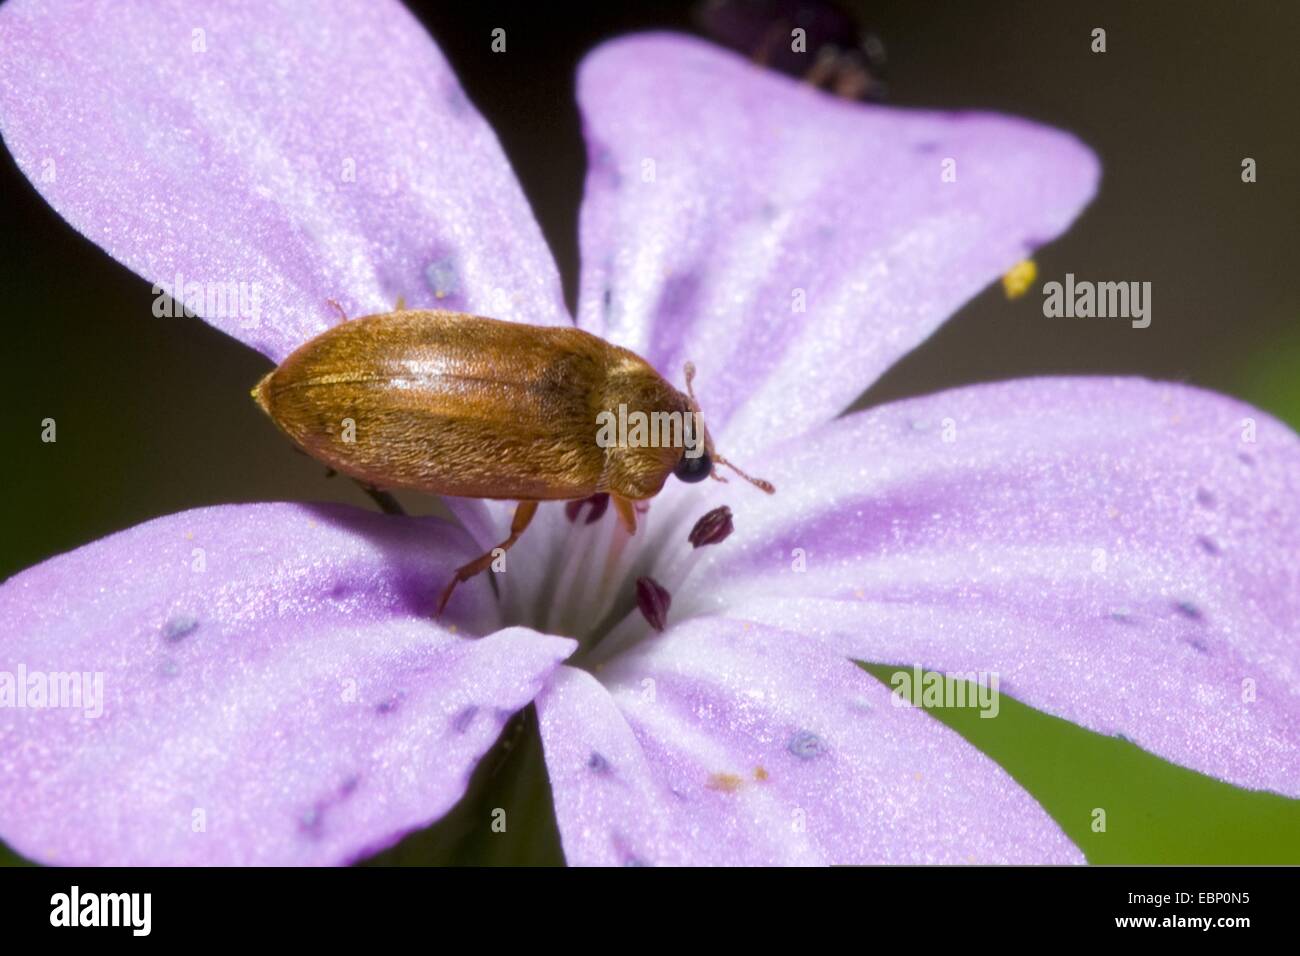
1122, 553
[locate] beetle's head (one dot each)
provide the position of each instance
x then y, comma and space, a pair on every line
700, 459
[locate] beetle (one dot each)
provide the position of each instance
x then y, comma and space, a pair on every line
464, 405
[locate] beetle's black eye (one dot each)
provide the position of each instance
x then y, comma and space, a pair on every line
694, 469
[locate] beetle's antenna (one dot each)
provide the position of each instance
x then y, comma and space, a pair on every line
760, 483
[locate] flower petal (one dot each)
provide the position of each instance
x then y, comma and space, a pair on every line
1125, 554
310, 154
728, 743
721, 197
274, 689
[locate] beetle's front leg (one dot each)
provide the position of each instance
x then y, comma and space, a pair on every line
626, 512
523, 515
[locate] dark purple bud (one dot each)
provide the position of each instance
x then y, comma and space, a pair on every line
654, 601
713, 528
598, 505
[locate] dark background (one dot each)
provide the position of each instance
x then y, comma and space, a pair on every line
154, 417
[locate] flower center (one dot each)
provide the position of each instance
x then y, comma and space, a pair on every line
594, 587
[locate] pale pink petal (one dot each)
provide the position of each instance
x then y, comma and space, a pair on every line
1124, 554
274, 689
793, 245
721, 742
307, 152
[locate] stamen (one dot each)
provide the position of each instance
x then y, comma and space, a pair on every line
714, 528
599, 502
653, 600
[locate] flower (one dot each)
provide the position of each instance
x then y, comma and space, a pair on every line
275, 690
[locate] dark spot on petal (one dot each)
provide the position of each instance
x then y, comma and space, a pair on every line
1189, 610
1197, 644
926, 146
635, 861
463, 720
806, 745
340, 591
1246, 459
1122, 616
679, 296
178, 627
654, 601
601, 161
456, 101
1205, 498
312, 822
349, 786
1208, 545
390, 704
714, 528
598, 764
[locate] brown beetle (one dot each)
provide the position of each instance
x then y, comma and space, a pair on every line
453, 404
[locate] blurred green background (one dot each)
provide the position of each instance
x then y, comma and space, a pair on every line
154, 417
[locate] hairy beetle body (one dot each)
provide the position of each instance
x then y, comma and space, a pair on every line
472, 407
453, 404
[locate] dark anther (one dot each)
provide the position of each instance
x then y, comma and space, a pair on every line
598, 505
714, 528
654, 601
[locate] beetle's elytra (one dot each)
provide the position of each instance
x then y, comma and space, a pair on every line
453, 404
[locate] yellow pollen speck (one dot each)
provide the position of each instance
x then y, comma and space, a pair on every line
189, 535
917, 775
726, 782
1019, 278
760, 774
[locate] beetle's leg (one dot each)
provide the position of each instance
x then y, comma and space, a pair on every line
386, 502
523, 515
626, 512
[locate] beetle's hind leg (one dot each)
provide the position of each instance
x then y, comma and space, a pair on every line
523, 516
